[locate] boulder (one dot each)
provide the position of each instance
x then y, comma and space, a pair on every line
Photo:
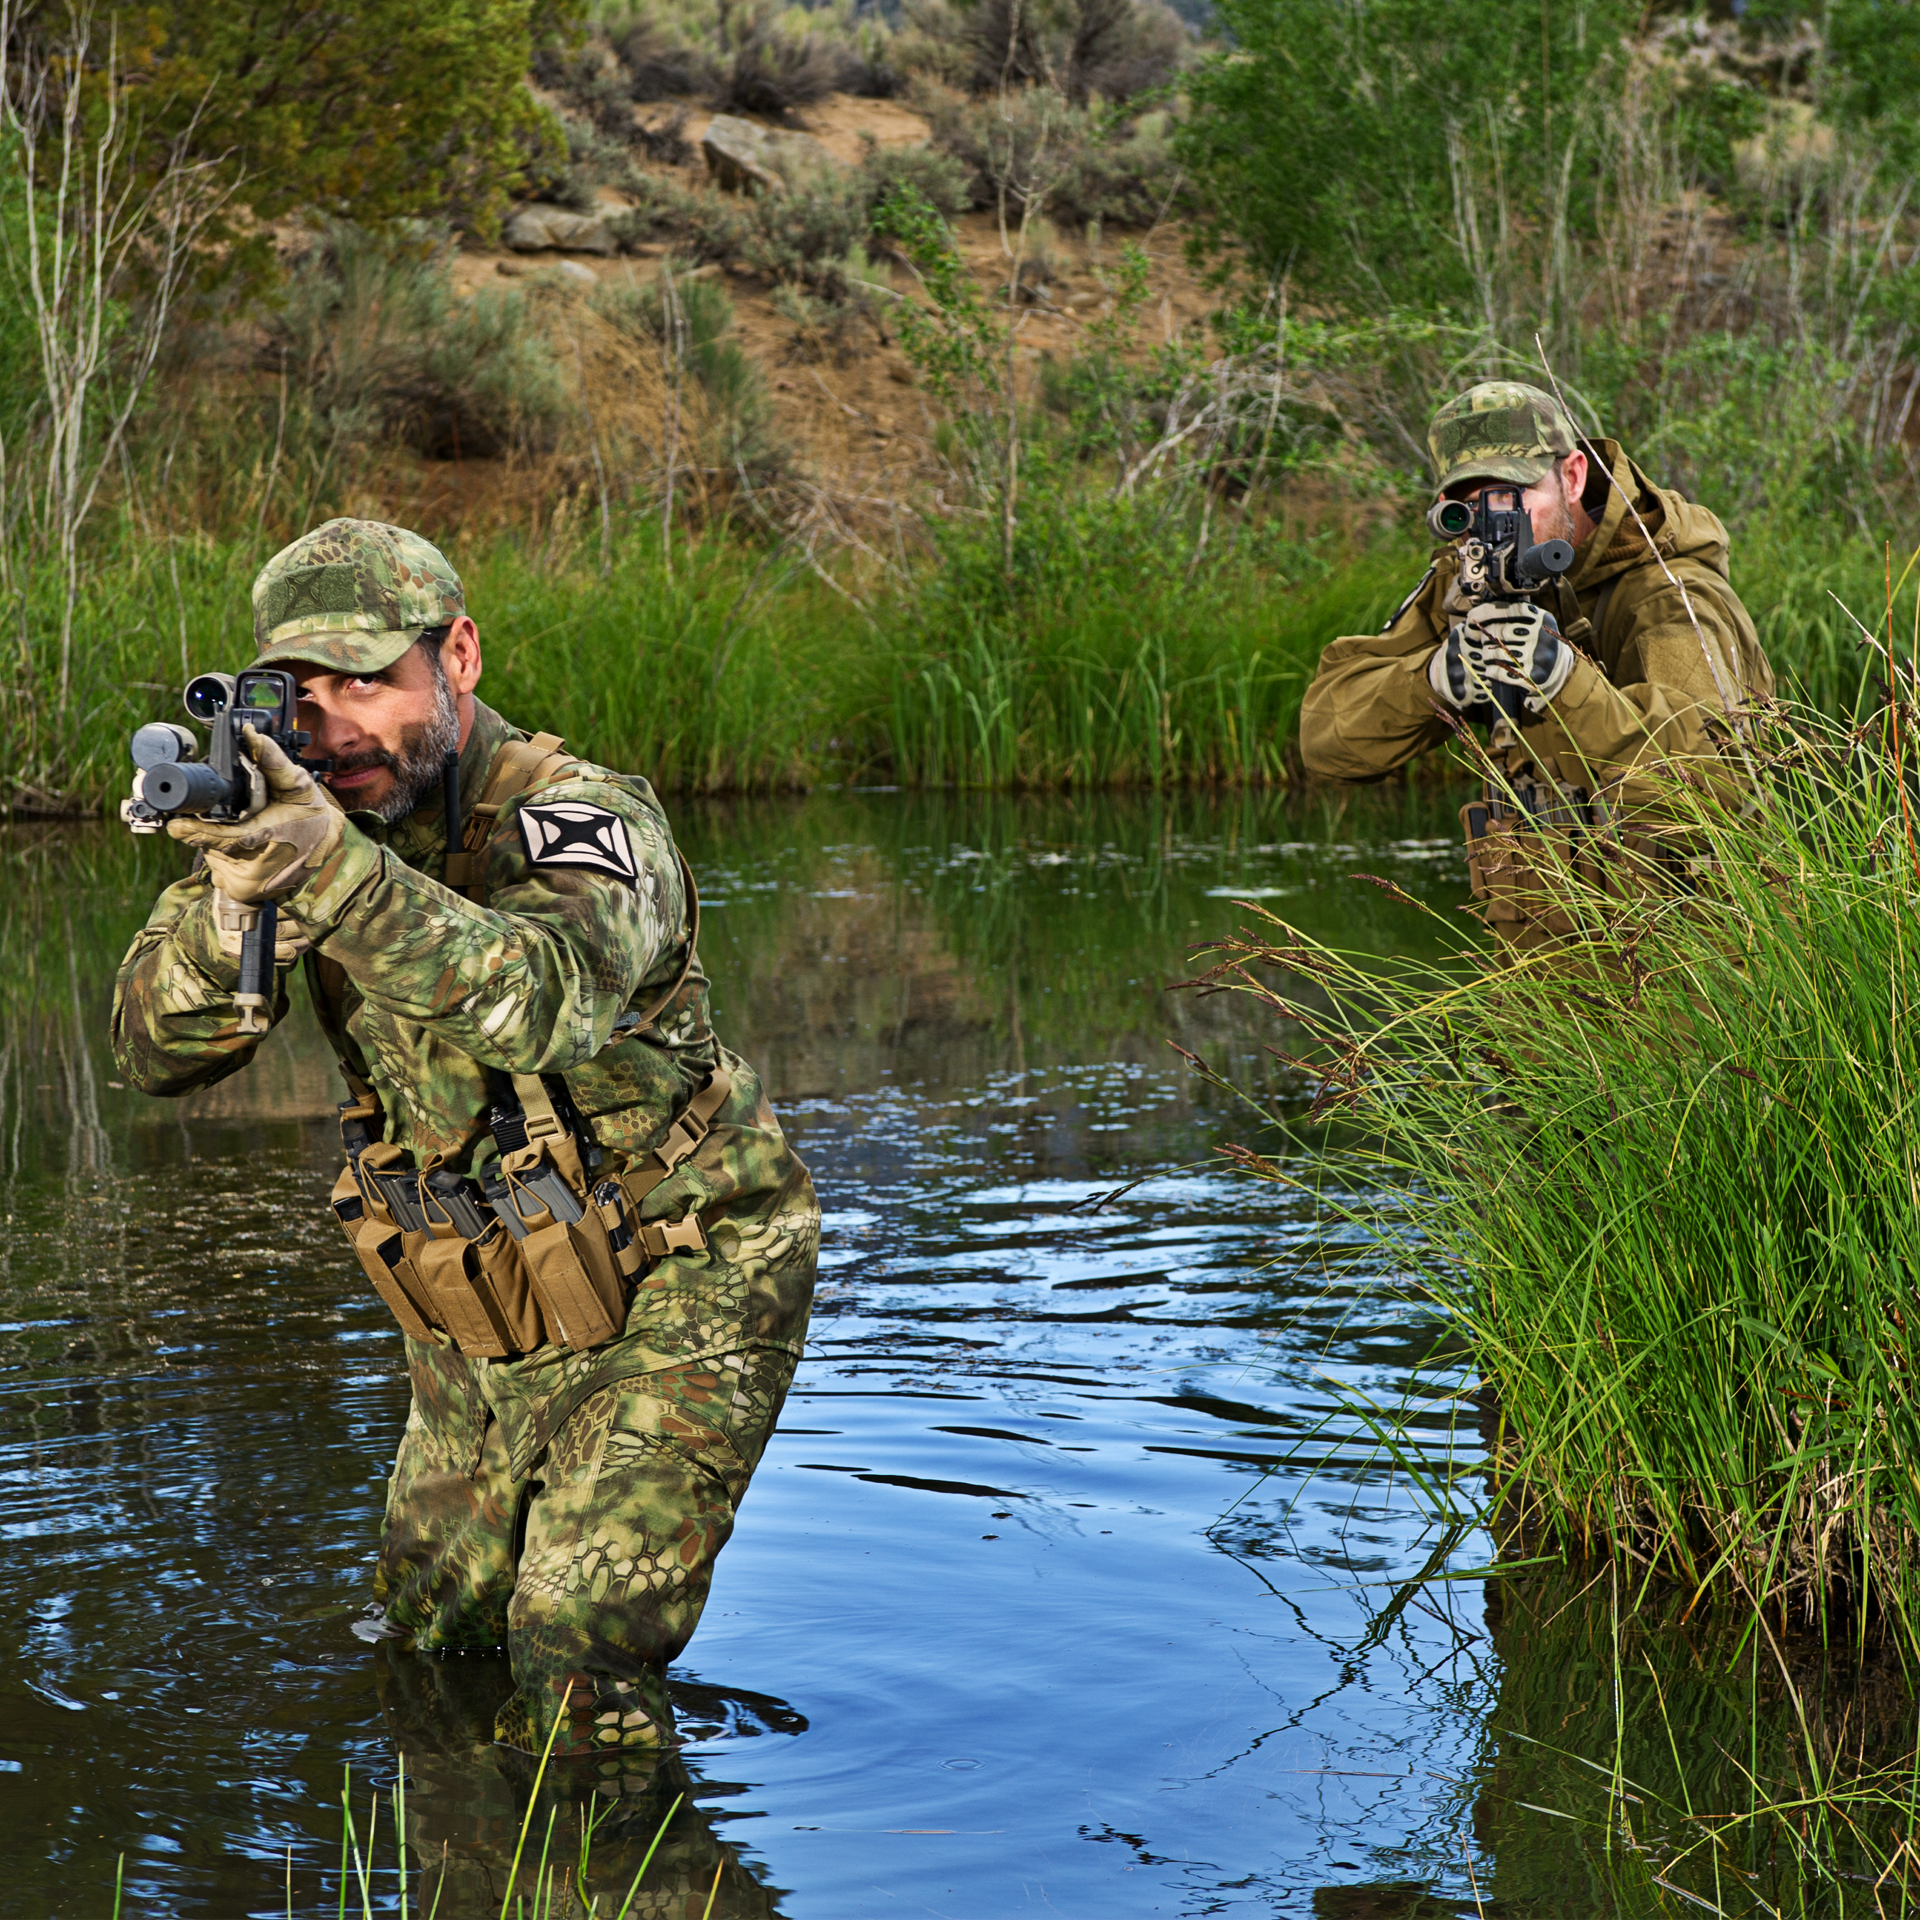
745, 158
537, 227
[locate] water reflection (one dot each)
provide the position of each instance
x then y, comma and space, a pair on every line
1057, 1591
603, 1825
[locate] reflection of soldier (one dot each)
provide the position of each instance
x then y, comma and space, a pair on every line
601, 1326
1611, 671
467, 1803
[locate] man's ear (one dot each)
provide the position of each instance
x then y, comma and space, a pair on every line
460, 656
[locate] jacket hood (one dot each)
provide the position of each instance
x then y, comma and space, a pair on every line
1680, 527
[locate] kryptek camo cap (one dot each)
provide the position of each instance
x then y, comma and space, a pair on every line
352, 596
1499, 430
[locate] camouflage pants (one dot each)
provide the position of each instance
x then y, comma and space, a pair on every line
591, 1561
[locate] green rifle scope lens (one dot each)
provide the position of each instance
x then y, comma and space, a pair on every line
1449, 519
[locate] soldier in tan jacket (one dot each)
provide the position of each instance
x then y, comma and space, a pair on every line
1635, 658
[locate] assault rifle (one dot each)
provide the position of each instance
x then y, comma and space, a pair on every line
170, 778
1499, 559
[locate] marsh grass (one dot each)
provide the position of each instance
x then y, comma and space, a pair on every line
1665, 1178
553, 1887
1627, 1757
724, 664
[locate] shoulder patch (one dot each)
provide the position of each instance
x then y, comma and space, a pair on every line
569, 833
1419, 587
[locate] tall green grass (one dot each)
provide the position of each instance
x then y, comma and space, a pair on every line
1665, 1178
729, 666
1120, 649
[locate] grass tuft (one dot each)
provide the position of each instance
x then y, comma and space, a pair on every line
1665, 1176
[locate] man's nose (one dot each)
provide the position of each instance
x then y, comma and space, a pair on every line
333, 733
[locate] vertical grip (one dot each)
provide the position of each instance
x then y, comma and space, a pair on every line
254, 995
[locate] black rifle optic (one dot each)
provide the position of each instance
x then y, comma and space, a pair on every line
171, 779
1499, 559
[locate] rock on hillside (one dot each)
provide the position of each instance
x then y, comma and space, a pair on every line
537, 227
743, 157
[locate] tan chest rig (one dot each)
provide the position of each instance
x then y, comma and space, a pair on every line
546, 1246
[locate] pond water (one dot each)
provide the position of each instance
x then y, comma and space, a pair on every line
1057, 1593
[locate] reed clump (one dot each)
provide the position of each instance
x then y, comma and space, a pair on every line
1663, 1174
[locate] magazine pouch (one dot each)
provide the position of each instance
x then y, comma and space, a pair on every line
562, 1235
379, 1246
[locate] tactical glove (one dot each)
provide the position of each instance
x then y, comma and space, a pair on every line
230, 919
1509, 643
274, 850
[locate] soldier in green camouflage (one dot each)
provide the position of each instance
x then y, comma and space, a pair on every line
564, 1503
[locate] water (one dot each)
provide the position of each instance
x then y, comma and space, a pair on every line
1057, 1592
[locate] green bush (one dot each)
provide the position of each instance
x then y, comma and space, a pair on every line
1088, 49
693, 319
1036, 149
1347, 145
375, 345
381, 111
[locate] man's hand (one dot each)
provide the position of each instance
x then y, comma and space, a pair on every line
1511, 643
229, 922
275, 850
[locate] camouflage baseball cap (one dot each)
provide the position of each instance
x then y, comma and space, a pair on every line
1499, 430
352, 595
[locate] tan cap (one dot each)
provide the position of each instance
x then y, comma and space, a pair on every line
352, 596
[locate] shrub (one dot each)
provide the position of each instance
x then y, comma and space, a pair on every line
591, 82
690, 320
1036, 149
659, 67
775, 69
1087, 49
848, 310
373, 340
939, 178
385, 109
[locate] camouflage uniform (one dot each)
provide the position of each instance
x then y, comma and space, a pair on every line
566, 1503
1642, 694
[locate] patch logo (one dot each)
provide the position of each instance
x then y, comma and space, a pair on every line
568, 833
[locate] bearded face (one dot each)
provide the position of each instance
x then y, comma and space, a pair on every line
424, 745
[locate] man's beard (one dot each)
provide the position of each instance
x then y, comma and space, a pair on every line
417, 768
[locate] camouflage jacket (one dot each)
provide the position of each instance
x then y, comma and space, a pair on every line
1642, 690
420, 990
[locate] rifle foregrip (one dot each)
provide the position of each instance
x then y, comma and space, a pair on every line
254, 995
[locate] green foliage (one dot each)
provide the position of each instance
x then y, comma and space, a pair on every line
375, 344
1037, 150
1660, 1183
1087, 49
382, 111
1346, 145
691, 321
955, 340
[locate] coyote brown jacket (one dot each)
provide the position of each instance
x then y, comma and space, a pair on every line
1642, 692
